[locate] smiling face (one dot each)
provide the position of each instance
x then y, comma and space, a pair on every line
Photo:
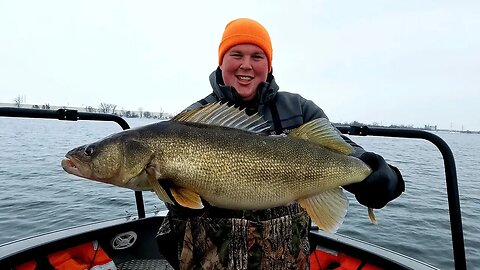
244, 67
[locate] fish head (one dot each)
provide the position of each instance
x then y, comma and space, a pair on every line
114, 160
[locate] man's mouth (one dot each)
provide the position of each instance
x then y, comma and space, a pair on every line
244, 78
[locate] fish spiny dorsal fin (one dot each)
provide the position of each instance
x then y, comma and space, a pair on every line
321, 131
221, 114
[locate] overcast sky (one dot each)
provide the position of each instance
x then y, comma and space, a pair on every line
412, 62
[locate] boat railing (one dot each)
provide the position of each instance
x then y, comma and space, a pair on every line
449, 161
450, 177
74, 115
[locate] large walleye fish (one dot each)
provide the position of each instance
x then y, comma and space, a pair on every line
220, 154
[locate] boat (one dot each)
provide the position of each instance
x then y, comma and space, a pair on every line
130, 243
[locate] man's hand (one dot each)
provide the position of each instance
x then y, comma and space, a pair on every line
384, 184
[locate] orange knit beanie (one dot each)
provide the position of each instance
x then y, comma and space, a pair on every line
241, 31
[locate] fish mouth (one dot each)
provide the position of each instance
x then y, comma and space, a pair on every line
68, 164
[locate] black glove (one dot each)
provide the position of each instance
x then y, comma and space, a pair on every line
384, 184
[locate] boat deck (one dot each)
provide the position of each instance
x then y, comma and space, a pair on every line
145, 264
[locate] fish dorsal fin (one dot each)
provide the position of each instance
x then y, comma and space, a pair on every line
321, 131
186, 197
327, 209
221, 114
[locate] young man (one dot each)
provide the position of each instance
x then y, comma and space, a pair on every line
277, 238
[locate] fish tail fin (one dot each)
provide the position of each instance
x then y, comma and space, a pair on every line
327, 209
371, 215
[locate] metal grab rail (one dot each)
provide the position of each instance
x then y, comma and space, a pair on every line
74, 115
450, 177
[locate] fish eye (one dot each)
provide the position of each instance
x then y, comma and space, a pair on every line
89, 150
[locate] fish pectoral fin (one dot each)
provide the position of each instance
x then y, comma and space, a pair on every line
159, 191
153, 170
327, 209
186, 197
153, 179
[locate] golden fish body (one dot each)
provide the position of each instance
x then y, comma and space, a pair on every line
235, 169
218, 154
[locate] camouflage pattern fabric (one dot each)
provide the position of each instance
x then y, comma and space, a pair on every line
275, 238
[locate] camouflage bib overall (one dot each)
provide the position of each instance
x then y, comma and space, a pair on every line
216, 238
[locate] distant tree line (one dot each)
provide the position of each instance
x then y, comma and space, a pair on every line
19, 100
44, 107
111, 108
102, 108
374, 124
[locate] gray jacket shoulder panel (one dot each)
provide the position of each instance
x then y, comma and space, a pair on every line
293, 110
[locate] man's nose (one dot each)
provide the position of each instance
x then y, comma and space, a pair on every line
246, 64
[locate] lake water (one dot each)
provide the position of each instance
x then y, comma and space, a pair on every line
37, 196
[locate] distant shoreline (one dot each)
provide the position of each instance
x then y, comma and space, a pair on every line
163, 115
121, 112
